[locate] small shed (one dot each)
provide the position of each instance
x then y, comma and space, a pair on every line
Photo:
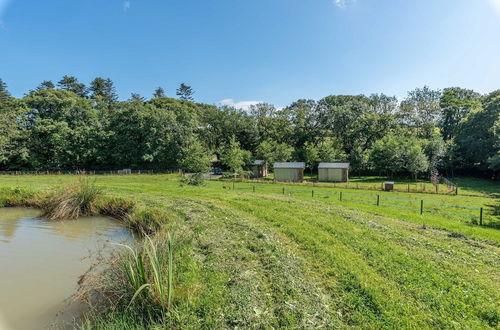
259, 168
289, 171
333, 172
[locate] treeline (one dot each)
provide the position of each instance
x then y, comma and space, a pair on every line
68, 125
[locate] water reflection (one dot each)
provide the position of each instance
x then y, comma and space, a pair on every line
10, 219
41, 261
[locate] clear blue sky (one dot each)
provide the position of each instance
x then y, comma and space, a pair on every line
253, 50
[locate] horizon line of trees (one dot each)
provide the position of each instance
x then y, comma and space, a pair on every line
69, 125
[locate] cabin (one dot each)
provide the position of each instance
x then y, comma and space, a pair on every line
289, 171
258, 168
333, 172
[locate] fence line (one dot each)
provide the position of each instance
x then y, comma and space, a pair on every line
417, 205
398, 187
90, 172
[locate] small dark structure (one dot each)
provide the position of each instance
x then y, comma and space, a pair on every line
333, 172
389, 185
289, 171
259, 168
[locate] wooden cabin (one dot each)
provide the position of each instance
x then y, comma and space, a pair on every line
289, 171
333, 172
259, 168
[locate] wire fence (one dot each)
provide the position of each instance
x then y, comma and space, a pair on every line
414, 187
483, 216
91, 172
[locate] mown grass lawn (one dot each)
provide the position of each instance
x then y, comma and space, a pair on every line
263, 259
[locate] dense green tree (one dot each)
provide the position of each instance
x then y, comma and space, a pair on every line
271, 123
426, 132
159, 92
311, 156
4, 93
103, 89
338, 115
71, 84
420, 111
46, 84
282, 152
476, 141
137, 97
416, 161
49, 145
195, 157
60, 105
185, 92
301, 116
218, 125
456, 103
330, 150
234, 157
13, 152
387, 155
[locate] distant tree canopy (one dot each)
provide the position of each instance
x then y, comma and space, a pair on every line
185, 92
72, 126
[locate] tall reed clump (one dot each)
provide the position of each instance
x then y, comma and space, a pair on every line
74, 201
149, 270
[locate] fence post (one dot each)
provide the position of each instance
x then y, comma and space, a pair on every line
437, 188
456, 190
253, 188
233, 183
481, 216
408, 187
340, 195
378, 200
421, 206
283, 190
312, 193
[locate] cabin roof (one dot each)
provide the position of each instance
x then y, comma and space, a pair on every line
290, 165
333, 165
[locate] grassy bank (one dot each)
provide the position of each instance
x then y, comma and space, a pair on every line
260, 259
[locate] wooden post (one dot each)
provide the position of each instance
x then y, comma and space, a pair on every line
481, 216
408, 187
378, 200
233, 183
312, 193
421, 206
283, 190
340, 195
254, 188
456, 190
437, 187
382, 186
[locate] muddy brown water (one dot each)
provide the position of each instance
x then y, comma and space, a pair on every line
41, 262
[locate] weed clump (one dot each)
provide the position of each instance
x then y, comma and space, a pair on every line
195, 179
146, 273
116, 207
74, 201
148, 220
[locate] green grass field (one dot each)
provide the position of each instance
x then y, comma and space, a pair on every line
264, 259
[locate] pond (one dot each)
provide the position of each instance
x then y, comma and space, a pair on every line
41, 262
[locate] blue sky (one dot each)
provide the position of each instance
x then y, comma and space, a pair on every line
247, 51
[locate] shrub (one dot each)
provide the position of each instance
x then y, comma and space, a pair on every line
195, 179
73, 201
